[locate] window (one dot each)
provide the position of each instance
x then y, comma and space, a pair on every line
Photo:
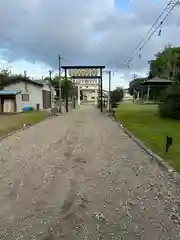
25, 97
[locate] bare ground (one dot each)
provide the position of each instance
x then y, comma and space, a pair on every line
78, 176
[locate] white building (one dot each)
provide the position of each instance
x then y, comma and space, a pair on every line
20, 93
87, 89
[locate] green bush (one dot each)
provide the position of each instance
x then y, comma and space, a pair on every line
114, 105
117, 95
169, 104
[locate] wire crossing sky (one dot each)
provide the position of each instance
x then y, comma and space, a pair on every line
104, 32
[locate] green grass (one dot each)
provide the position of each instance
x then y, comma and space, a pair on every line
9, 123
146, 124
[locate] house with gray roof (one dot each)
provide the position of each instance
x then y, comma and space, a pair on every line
19, 94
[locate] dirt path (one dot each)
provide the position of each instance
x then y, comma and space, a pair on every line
78, 176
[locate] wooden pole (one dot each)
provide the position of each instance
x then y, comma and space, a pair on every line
66, 91
101, 85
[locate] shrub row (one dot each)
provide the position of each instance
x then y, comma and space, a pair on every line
169, 103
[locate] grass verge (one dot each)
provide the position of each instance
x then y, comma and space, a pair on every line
146, 124
10, 123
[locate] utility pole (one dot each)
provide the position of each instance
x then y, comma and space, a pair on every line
134, 77
50, 75
99, 89
60, 92
66, 93
50, 80
25, 73
109, 93
101, 86
74, 99
25, 76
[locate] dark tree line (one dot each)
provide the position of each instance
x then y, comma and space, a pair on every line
166, 65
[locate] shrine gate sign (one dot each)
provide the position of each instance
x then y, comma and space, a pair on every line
85, 72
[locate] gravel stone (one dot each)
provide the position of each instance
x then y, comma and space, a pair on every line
79, 176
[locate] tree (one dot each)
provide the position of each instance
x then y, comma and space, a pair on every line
169, 105
67, 87
4, 77
136, 88
167, 65
176, 78
166, 62
55, 83
117, 95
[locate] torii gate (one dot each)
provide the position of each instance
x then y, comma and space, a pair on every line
90, 72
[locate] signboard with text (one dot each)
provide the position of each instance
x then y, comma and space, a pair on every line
86, 72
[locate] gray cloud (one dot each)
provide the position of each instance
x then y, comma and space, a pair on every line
83, 31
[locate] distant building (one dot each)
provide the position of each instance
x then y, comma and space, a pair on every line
88, 89
20, 93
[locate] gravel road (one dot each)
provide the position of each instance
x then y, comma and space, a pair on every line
78, 176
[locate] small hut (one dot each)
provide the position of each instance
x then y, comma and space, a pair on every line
157, 84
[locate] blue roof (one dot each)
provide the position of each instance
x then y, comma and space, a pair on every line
9, 92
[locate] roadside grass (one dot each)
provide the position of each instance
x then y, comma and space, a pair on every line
10, 123
146, 124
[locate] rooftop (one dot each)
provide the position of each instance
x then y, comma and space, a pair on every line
9, 92
16, 79
158, 80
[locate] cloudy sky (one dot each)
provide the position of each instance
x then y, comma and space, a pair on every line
102, 32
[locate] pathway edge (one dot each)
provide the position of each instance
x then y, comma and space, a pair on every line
24, 128
172, 172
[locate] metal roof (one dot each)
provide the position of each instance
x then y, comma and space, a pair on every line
9, 92
159, 80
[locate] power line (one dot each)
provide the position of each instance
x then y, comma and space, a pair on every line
139, 47
166, 7
160, 23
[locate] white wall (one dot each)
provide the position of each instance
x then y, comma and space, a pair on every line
34, 91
